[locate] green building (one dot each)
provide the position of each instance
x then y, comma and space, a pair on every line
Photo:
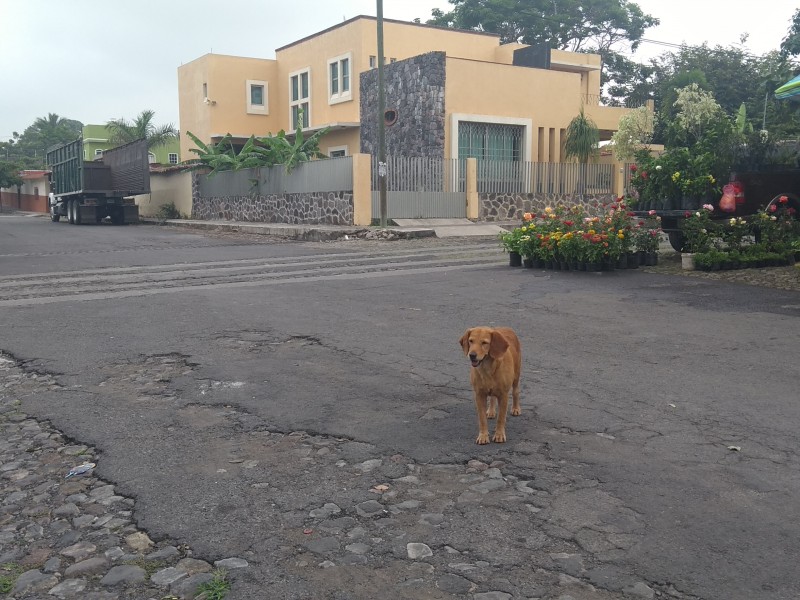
95, 141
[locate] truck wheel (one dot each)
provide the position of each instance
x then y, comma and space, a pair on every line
118, 215
676, 240
76, 213
54, 216
71, 211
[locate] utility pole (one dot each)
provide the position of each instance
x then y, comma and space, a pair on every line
381, 124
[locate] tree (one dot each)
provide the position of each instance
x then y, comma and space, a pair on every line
30, 148
259, 152
576, 25
635, 133
142, 127
581, 138
790, 46
9, 174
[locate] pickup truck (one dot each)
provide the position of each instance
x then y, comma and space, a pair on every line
89, 191
753, 190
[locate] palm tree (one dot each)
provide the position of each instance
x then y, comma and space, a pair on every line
124, 131
50, 125
581, 142
582, 138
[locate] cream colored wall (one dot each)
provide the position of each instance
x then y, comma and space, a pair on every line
342, 137
359, 37
165, 188
226, 78
550, 99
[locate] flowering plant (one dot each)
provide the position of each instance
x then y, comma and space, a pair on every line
698, 229
778, 224
647, 233
734, 231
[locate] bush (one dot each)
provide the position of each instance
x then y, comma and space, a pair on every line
168, 211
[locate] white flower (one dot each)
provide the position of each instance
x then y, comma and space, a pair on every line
658, 167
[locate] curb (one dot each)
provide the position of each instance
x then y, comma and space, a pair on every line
298, 232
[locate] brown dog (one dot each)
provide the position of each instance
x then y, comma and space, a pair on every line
496, 358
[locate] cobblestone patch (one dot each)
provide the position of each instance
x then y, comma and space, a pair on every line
345, 516
781, 278
74, 537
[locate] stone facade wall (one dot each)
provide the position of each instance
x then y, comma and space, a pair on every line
414, 88
317, 208
510, 207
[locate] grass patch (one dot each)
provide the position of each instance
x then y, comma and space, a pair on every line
216, 589
8, 576
149, 566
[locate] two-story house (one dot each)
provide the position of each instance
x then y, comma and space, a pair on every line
449, 93
96, 141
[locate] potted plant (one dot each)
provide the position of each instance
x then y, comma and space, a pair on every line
510, 240
698, 233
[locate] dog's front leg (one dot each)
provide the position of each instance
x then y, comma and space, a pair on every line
491, 410
502, 407
483, 422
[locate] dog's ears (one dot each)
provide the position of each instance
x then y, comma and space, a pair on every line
464, 341
498, 345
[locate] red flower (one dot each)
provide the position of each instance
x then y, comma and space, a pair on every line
791, 210
783, 199
569, 223
633, 168
644, 174
687, 214
773, 207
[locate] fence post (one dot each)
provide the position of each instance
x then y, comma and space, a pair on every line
618, 179
362, 189
473, 201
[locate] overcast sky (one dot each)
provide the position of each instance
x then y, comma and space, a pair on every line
95, 60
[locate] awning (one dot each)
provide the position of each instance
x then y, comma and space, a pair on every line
789, 90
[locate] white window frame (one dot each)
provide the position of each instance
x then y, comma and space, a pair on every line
151, 158
257, 109
98, 152
340, 95
457, 118
169, 158
301, 100
332, 149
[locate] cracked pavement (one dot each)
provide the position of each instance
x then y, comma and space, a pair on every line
322, 429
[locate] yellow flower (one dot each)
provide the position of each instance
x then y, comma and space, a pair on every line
548, 210
621, 235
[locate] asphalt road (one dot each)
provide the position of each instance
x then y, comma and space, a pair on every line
659, 431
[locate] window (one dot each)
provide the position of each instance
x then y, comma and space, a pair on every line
373, 62
205, 91
151, 158
299, 97
337, 151
339, 79
501, 145
173, 158
490, 141
257, 93
98, 152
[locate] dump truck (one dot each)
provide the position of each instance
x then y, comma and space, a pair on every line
753, 191
89, 191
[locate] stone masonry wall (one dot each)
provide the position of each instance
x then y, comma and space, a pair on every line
509, 207
317, 208
414, 88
